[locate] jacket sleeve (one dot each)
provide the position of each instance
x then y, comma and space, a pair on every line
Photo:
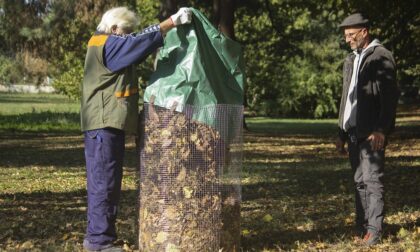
123, 51
388, 92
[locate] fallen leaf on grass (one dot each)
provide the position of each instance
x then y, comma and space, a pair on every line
320, 245
65, 237
348, 220
27, 245
402, 233
267, 218
246, 232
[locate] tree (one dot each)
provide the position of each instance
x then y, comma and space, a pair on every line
22, 33
222, 12
78, 18
293, 49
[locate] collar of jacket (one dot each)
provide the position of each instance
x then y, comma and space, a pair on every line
369, 49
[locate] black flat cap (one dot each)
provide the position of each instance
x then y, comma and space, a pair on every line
356, 19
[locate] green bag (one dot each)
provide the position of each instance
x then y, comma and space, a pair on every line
197, 66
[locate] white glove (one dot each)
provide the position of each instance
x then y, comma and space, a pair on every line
183, 16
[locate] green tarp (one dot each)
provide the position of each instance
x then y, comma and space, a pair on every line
197, 66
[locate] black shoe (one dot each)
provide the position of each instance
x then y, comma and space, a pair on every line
103, 248
112, 249
360, 231
372, 238
108, 249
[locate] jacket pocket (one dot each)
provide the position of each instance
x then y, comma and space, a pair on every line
129, 110
107, 107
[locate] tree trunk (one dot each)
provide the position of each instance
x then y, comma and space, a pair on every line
169, 7
225, 15
215, 19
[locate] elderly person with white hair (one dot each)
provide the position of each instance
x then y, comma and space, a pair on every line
109, 110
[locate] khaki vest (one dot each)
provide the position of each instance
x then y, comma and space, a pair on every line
108, 99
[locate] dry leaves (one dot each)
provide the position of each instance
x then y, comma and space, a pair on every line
185, 203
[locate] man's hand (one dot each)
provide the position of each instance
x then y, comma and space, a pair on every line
377, 140
339, 145
183, 16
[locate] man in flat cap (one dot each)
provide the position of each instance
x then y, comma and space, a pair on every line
366, 118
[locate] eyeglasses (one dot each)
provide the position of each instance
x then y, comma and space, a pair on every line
352, 34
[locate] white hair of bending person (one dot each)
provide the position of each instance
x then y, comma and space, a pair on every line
121, 17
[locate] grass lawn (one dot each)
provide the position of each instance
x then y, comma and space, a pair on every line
297, 192
38, 113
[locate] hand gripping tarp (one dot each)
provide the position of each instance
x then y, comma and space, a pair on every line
197, 66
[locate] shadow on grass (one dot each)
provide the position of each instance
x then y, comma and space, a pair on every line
309, 204
41, 150
287, 240
51, 219
307, 191
48, 150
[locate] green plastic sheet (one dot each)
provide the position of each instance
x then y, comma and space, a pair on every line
197, 66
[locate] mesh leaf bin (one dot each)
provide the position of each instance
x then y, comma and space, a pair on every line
191, 157
190, 179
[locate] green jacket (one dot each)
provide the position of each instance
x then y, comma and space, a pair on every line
109, 99
110, 90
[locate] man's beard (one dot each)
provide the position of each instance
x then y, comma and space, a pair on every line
359, 44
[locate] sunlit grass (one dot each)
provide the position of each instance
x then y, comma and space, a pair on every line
16, 103
38, 113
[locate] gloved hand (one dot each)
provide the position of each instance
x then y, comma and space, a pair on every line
183, 16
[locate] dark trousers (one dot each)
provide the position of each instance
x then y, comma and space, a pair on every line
368, 168
104, 153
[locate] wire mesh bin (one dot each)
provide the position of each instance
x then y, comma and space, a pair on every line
190, 166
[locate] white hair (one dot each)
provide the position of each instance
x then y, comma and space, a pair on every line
122, 17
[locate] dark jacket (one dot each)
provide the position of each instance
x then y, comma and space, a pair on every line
377, 92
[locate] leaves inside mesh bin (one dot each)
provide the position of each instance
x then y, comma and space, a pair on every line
184, 203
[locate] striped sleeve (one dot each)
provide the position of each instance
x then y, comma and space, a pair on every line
123, 51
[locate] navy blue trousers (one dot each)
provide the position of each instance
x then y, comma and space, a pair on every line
104, 154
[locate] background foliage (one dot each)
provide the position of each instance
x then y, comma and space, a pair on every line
293, 48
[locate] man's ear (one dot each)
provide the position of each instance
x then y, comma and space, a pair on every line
365, 31
114, 29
